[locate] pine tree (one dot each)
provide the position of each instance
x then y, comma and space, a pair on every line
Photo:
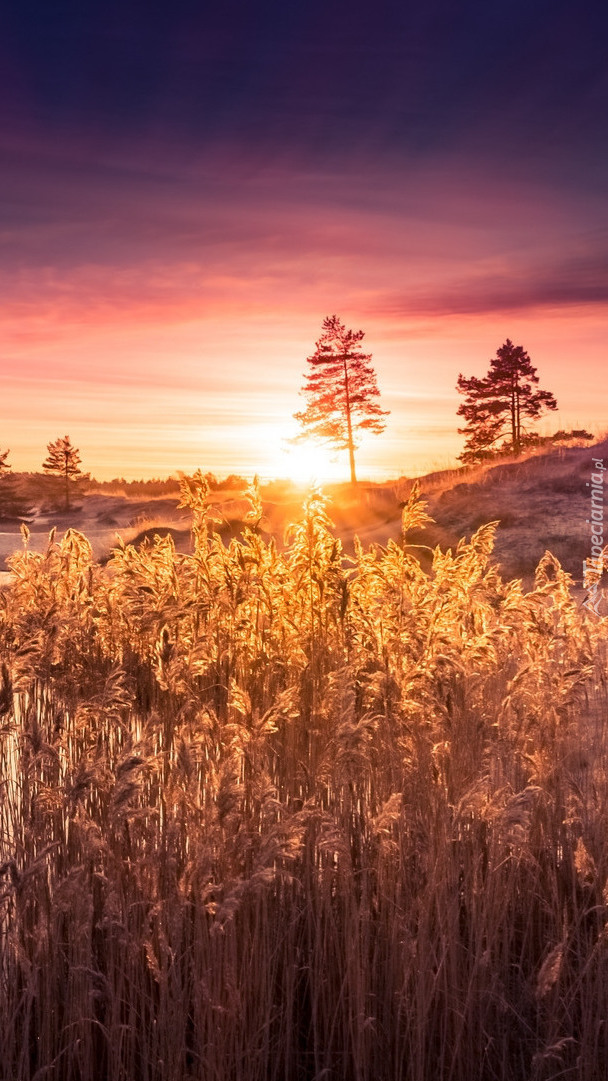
64, 461
12, 503
341, 391
495, 407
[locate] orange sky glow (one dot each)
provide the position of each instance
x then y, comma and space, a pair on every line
157, 362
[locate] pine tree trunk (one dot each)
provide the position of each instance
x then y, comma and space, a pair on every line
351, 446
518, 422
514, 433
67, 488
351, 455
515, 417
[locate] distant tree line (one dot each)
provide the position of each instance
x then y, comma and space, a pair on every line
157, 486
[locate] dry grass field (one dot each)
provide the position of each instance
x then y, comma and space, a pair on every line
307, 810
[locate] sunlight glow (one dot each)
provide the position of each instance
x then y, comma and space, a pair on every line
307, 462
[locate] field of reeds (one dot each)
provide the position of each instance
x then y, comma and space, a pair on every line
277, 815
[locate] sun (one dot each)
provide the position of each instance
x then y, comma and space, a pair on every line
305, 463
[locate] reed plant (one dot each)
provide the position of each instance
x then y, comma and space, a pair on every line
276, 814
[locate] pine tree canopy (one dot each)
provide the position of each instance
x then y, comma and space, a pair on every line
63, 459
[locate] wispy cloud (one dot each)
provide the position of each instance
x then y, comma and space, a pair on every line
570, 282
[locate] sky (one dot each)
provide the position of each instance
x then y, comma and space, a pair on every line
188, 189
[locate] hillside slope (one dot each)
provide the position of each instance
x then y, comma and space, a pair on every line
541, 502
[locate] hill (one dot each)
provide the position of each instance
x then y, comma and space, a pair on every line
541, 502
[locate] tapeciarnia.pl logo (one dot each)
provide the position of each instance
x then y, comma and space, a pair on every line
594, 565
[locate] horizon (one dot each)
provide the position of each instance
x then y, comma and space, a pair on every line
325, 482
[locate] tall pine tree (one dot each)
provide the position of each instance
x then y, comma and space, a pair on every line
496, 406
64, 461
341, 391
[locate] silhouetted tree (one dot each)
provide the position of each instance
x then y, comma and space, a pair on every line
64, 461
495, 407
341, 391
12, 503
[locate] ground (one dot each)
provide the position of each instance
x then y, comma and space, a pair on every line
542, 502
